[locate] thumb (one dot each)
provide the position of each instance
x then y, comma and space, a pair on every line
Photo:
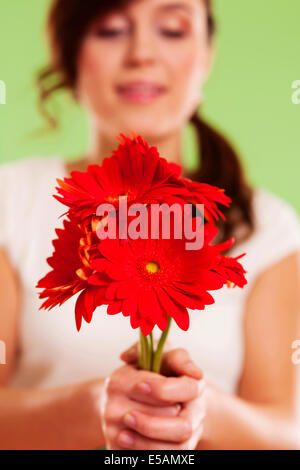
130, 356
178, 362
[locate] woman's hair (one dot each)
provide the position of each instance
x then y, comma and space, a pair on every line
68, 22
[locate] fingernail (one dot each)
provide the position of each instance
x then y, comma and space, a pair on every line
129, 419
126, 439
190, 366
178, 407
128, 355
144, 387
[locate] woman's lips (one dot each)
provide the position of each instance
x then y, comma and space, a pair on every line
140, 92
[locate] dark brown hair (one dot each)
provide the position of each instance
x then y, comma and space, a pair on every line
67, 24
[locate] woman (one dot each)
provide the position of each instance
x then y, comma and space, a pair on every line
142, 66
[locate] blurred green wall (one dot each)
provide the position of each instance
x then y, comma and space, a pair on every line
248, 95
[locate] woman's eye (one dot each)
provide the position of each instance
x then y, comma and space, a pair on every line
108, 33
173, 33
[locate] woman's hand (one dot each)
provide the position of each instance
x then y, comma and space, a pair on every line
145, 410
175, 362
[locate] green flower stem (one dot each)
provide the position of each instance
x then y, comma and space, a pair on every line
151, 350
148, 354
145, 358
148, 359
159, 349
142, 351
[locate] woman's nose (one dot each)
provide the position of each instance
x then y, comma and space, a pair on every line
142, 48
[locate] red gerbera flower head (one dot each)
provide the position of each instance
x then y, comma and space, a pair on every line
152, 279
145, 279
74, 249
135, 171
208, 195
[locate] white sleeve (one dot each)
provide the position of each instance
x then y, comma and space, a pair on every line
277, 232
5, 194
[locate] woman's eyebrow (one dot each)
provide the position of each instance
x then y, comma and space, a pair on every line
176, 6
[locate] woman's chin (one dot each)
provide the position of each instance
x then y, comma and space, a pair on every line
150, 127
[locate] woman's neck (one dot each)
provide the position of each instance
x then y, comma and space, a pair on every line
169, 146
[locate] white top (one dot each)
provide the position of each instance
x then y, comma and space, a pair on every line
53, 353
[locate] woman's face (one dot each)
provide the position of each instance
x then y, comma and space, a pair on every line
163, 43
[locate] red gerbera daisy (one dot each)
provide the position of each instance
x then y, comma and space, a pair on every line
147, 280
134, 170
208, 195
74, 248
150, 280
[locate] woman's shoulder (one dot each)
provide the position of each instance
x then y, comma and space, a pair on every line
25, 180
276, 231
275, 217
29, 167
26, 187
267, 205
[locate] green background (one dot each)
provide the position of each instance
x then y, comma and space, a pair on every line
248, 96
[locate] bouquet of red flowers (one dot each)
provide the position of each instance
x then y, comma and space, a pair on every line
137, 237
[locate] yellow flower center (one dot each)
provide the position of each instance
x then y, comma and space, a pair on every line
152, 267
